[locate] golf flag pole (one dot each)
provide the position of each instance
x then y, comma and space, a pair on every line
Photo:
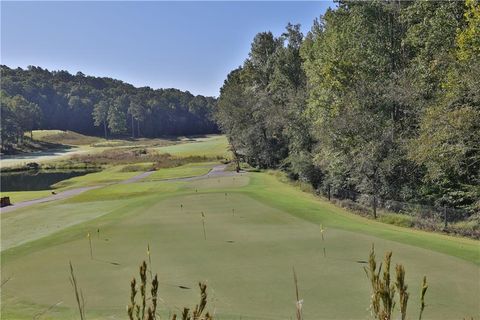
149, 261
90, 243
323, 239
203, 223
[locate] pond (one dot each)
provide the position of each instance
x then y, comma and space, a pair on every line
35, 180
18, 160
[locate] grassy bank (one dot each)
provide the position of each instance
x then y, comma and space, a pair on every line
257, 228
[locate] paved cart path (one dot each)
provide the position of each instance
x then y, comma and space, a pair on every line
216, 171
67, 194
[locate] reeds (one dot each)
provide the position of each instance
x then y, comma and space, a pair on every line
402, 290
78, 293
422, 297
384, 293
298, 301
136, 311
134, 158
197, 312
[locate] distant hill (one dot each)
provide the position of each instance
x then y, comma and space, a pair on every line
36, 98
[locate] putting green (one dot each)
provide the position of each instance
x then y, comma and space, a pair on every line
247, 257
209, 147
185, 171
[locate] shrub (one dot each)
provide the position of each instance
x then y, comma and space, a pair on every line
400, 220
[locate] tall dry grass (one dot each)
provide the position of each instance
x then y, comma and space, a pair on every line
298, 301
384, 292
145, 306
140, 310
132, 155
386, 295
78, 293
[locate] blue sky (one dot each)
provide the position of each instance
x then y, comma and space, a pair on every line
186, 45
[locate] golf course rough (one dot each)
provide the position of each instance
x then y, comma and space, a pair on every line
246, 259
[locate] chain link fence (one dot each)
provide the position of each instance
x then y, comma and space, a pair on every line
421, 216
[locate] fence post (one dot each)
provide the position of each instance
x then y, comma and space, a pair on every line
445, 216
329, 194
375, 207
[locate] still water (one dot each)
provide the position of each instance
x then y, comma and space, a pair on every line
35, 180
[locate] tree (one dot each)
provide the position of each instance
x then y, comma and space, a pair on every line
261, 103
137, 112
9, 125
379, 101
353, 59
73, 102
100, 115
448, 141
27, 115
117, 117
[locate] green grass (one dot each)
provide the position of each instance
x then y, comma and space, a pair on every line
65, 137
210, 147
308, 207
274, 227
126, 191
185, 171
113, 175
18, 196
110, 175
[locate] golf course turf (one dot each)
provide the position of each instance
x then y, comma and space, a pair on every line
256, 227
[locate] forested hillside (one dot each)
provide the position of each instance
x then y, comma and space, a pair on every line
40, 99
380, 99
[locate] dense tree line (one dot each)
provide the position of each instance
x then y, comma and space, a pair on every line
36, 98
380, 98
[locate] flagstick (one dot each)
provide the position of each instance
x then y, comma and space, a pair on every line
203, 223
149, 261
204, 232
90, 243
323, 239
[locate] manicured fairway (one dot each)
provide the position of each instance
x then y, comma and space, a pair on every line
247, 258
18, 196
212, 146
185, 171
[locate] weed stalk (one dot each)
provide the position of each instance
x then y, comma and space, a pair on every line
78, 293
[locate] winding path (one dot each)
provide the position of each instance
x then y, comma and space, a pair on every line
58, 196
216, 171
67, 194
